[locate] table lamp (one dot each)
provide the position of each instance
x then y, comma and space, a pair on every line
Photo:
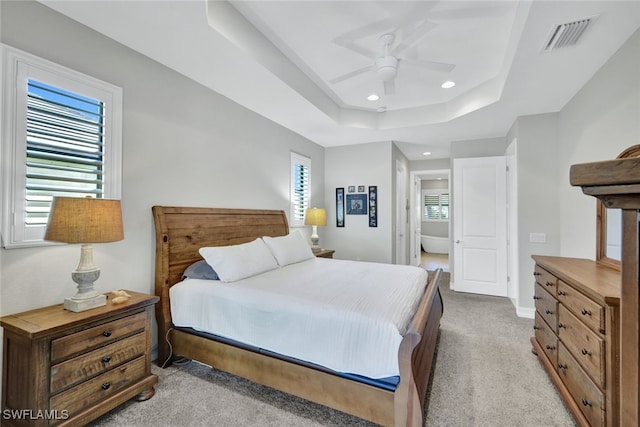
315, 217
85, 220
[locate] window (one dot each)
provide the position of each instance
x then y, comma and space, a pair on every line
62, 138
300, 192
435, 205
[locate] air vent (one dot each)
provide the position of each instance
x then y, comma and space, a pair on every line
564, 35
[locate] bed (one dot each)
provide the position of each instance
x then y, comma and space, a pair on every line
182, 231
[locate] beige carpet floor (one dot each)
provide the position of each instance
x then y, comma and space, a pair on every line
485, 375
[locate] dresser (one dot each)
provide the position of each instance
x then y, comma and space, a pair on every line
65, 368
577, 327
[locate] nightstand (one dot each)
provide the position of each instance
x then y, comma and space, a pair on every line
66, 368
324, 253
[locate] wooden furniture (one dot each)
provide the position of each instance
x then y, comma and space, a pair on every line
617, 184
181, 231
576, 334
65, 368
324, 253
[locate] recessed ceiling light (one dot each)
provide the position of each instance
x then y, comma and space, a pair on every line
373, 97
448, 84
426, 153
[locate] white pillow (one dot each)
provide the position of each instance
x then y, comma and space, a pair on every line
289, 249
239, 261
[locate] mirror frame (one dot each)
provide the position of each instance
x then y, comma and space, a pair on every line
601, 221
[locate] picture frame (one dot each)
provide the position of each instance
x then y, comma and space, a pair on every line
339, 207
356, 204
373, 206
352, 189
360, 188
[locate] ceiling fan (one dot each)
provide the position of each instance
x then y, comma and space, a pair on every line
386, 65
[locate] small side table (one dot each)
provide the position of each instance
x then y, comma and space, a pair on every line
324, 253
74, 367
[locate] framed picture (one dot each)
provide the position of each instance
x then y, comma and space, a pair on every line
360, 188
352, 189
356, 204
373, 206
339, 207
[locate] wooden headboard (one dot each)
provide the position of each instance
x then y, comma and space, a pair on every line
182, 231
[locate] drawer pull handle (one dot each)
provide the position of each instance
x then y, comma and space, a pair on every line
562, 293
561, 325
535, 328
562, 366
549, 284
105, 386
535, 273
586, 312
586, 402
107, 333
535, 297
550, 347
548, 311
106, 359
586, 352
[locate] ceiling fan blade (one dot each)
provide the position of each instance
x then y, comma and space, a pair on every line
348, 40
411, 37
430, 65
389, 87
350, 74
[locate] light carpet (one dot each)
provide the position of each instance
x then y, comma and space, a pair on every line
484, 375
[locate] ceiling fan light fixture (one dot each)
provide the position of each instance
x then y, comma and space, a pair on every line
386, 66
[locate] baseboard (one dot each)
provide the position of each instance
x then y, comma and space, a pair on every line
528, 313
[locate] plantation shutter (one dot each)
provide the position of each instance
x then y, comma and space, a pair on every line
300, 188
64, 148
436, 206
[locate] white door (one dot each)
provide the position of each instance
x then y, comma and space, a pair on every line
480, 225
401, 213
416, 221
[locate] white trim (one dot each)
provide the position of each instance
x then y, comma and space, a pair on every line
17, 67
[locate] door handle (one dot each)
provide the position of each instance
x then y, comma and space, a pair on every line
458, 242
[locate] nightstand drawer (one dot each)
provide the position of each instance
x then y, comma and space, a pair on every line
98, 388
78, 369
96, 336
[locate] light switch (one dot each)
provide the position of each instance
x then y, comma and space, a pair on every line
538, 237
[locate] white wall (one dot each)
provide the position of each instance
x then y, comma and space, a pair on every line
597, 124
362, 164
182, 145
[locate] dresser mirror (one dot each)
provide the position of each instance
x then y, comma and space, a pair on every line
609, 226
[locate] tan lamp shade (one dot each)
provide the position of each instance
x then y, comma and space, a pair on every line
84, 220
315, 216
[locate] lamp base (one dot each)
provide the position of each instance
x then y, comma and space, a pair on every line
78, 305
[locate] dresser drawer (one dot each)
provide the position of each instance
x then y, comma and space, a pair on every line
585, 393
545, 279
587, 347
547, 339
86, 394
78, 369
587, 310
547, 307
96, 336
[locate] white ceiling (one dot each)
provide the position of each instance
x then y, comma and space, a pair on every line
284, 60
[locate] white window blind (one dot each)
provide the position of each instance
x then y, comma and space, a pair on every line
62, 137
435, 206
64, 157
300, 193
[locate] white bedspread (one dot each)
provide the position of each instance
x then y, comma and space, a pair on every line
347, 316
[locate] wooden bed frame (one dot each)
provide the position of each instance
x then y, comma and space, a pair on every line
181, 231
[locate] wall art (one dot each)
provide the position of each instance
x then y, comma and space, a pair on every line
373, 206
356, 204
